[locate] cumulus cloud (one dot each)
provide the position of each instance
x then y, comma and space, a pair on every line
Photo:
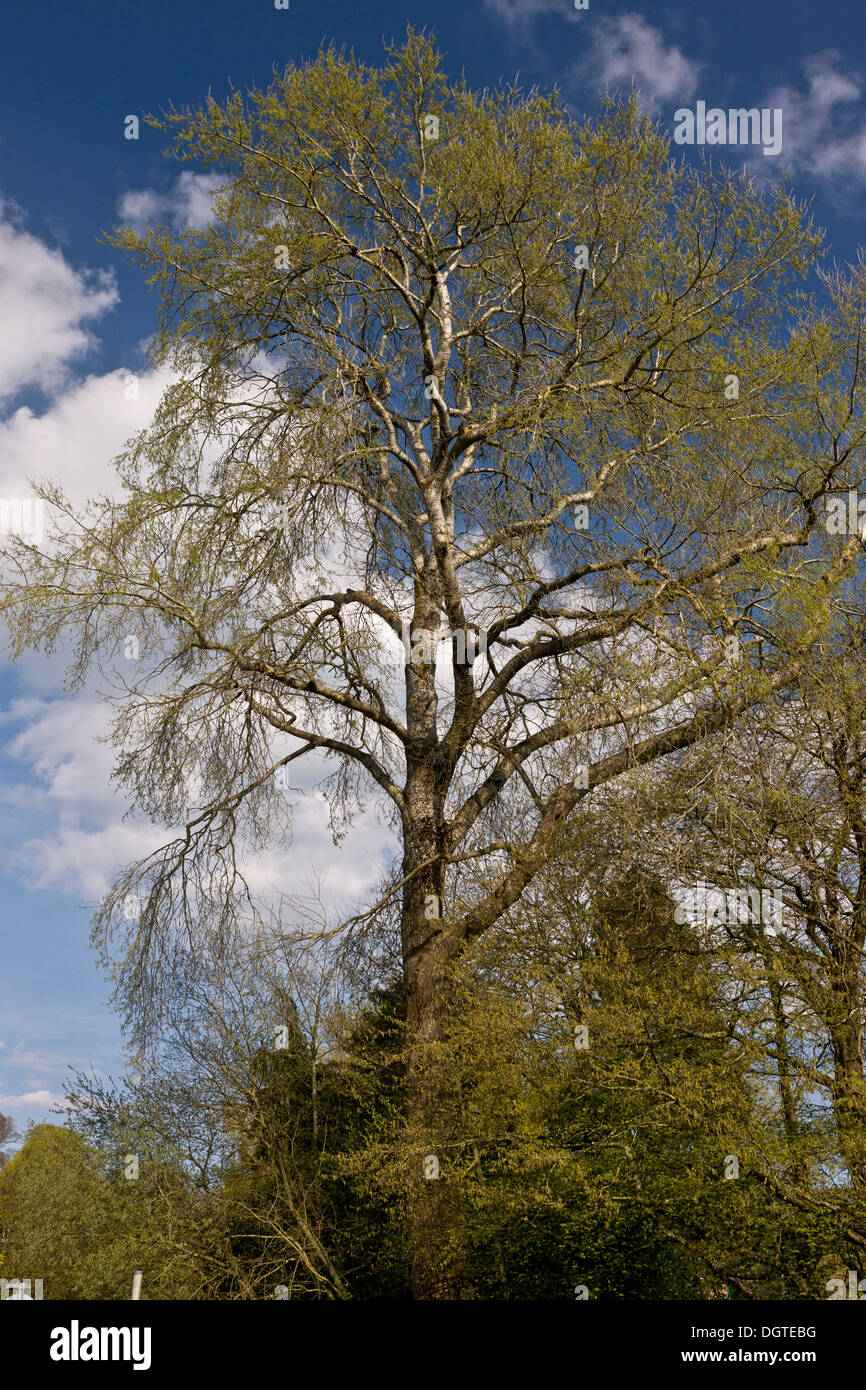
64, 827
61, 818
824, 121
45, 306
76, 439
628, 51
622, 52
188, 203
81, 838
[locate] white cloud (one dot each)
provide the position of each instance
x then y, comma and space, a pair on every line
627, 50
61, 819
75, 440
44, 306
42, 1100
824, 125
622, 52
520, 12
37, 1062
81, 863
189, 203
80, 838
350, 872
53, 733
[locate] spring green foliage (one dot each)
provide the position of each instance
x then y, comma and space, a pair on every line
599, 1166
70, 1217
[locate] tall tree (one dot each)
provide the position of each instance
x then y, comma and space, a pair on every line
446, 363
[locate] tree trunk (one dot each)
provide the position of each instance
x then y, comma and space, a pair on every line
849, 1086
784, 1070
428, 946
849, 1100
434, 1199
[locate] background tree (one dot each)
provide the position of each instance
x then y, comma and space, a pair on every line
8, 1135
73, 1219
602, 1159
602, 1166
789, 818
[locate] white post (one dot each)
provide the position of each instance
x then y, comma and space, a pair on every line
136, 1284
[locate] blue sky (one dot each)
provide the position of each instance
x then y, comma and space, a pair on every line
74, 315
